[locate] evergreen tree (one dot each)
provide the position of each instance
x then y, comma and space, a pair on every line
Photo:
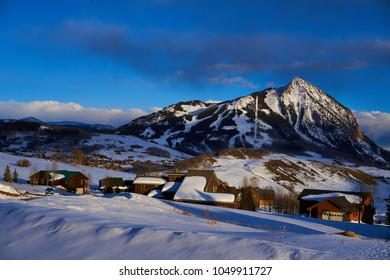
247, 200
15, 176
7, 175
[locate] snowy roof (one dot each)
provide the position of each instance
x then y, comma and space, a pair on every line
322, 197
307, 192
341, 202
171, 187
192, 189
156, 194
149, 180
55, 176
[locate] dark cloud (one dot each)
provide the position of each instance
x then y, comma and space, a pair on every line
198, 58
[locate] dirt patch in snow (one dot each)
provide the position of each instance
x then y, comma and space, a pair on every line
349, 234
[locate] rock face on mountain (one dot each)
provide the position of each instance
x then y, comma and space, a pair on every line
296, 118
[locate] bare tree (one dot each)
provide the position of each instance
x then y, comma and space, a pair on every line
78, 156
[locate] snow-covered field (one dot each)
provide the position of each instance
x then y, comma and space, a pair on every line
130, 226
139, 227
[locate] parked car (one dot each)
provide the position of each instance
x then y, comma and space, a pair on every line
49, 191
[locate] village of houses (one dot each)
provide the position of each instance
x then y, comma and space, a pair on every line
204, 187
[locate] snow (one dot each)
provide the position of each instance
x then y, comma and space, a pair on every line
128, 226
149, 180
272, 100
171, 187
44, 127
321, 197
56, 177
121, 147
138, 227
8, 189
148, 133
192, 189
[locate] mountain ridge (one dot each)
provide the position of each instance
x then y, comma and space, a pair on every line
72, 124
296, 118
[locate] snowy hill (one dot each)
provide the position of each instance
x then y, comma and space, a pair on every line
290, 175
34, 139
138, 227
293, 119
130, 226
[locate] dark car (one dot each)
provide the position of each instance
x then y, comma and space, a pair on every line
49, 191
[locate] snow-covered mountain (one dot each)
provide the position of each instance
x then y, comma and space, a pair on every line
293, 119
34, 139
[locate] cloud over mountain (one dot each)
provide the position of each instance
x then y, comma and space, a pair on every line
57, 111
375, 125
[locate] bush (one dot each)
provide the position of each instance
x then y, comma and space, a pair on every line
23, 163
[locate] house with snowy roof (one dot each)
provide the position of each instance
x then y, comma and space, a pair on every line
114, 185
337, 208
145, 184
337, 205
203, 186
72, 181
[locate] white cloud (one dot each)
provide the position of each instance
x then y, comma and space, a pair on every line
234, 81
212, 101
376, 125
57, 111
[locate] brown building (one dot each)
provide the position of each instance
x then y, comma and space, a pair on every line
309, 205
144, 184
266, 199
176, 177
114, 185
213, 184
335, 209
72, 181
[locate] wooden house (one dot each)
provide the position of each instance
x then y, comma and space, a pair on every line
335, 209
313, 201
203, 186
176, 177
72, 181
112, 185
213, 184
144, 184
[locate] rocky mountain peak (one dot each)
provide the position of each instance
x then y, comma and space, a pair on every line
297, 118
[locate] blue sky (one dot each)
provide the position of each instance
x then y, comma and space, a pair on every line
129, 57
